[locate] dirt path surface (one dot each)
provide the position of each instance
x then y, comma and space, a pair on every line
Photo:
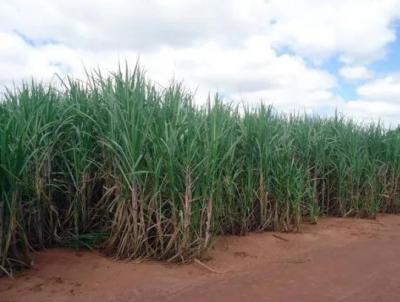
336, 260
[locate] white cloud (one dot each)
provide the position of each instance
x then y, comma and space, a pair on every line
373, 111
378, 99
251, 72
355, 73
356, 30
386, 89
141, 25
238, 48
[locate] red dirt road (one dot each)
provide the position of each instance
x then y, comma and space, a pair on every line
336, 260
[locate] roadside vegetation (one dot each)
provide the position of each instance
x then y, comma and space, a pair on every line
117, 164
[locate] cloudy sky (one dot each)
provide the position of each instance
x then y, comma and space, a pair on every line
304, 55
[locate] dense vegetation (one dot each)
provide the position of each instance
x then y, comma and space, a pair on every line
116, 164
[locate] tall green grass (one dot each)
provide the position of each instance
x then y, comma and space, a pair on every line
117, 164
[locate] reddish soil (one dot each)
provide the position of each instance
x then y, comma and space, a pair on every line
336, 260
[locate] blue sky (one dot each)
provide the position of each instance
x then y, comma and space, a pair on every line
391, 62
315, 56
